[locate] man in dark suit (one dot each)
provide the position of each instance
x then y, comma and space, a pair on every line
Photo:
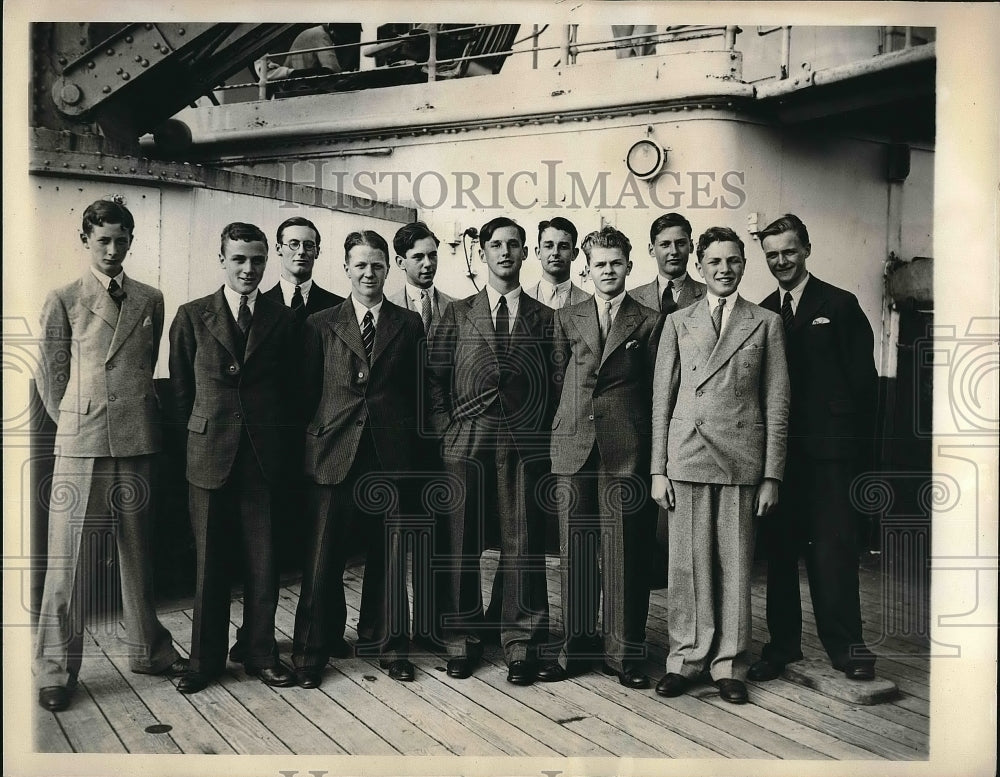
490, 374
670, 245
416, 250
100, 340
830, 433
720, 419
230, 369
362, 380
298, 246
604, 350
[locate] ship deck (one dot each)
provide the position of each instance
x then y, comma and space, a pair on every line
360, 711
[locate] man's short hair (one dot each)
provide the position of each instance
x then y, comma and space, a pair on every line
239, 230
560, 223
607, 237
408, 235
718, 235
666, 221
104, 212
787, 223
499, 222
365, 237
297, 221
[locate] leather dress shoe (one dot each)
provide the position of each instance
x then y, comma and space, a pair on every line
733, 691
632, 677
551, 673
460, 668
192, 682
54, 698
859, 670
765, 669
236, 653
176, 669
672, 684
521, 672
308, 677
400, 669
277, 676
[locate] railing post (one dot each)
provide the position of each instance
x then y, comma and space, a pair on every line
567, 39
731, 31
786, 48
432, 31
907, 37
534, 47
262, 81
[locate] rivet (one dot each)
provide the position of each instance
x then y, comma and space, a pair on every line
128, 38
90, 66
110, 52
125, 76
100, 167
149, 26
83, 166
180, 31
48, 162
62, 60
138, 58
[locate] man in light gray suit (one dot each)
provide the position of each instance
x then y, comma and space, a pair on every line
101, 336
556, 251
670, 245
720, 421
417, 256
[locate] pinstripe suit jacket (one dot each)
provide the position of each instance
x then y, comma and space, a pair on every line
97, 365
720, 410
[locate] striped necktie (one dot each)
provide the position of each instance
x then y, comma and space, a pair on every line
368, 333
787, 314
717, 317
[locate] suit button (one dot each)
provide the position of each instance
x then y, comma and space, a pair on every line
698, 422
361, 375
112, 397
359, 422
738, 394
232, 368
590, 417
109, 366
739, 424
698, 393
237, 416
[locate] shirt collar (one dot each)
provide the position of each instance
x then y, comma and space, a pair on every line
494, 296
413, 294
233, 298
105, 281
288, 289
360, 309
796, 292
616, 303
661, 283
713, 301
545, 288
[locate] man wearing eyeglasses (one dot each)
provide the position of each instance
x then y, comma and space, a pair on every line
297, 244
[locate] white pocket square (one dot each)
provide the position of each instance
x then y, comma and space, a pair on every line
821, 320
148, 321
631, 344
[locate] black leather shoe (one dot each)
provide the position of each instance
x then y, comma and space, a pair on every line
236, 653
859, 670
277, 676
551, 673
632, 677
308, 677
192, 682
672, 684
460, 668
176, 669
400, 669
54, 698
521, 672
733, 691
764, 670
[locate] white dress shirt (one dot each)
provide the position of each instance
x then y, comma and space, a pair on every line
513, 302
105, 281
554, 294
727, 311
661, 285
233, 298
288, 290
796, 294
360, 310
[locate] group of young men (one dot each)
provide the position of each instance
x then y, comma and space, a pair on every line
419, 429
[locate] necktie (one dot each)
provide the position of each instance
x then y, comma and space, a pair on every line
605, 323
787, 314
667, 304
503, 326
116, 292
554, 298
368, 333
425, 309
717, 317
243, 316
297, 299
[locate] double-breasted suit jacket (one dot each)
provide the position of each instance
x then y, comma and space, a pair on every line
649, 293
600, 451
96, 382
363, 427
494, 410
831, 427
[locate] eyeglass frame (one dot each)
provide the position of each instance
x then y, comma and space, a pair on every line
294, 244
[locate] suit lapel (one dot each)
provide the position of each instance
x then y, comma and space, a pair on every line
625, 323
99, 301
265, 318
526, 322
482, 319
585, 319
345, 326
216, 317
132, 309
389, 324
698, 322
740, 326
691, 292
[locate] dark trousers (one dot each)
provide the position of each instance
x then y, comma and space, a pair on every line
321, 616
497, 482
607, 518
241, 511
815, 521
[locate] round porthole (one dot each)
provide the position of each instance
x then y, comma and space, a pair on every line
645, 159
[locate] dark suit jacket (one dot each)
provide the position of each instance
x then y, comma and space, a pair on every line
473, 392
348, 395
832, 370
220, 391
649, 294
319, 298
606, 397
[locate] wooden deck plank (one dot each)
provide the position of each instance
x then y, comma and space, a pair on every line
604, 734
119, 700
49, 735
85, 726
